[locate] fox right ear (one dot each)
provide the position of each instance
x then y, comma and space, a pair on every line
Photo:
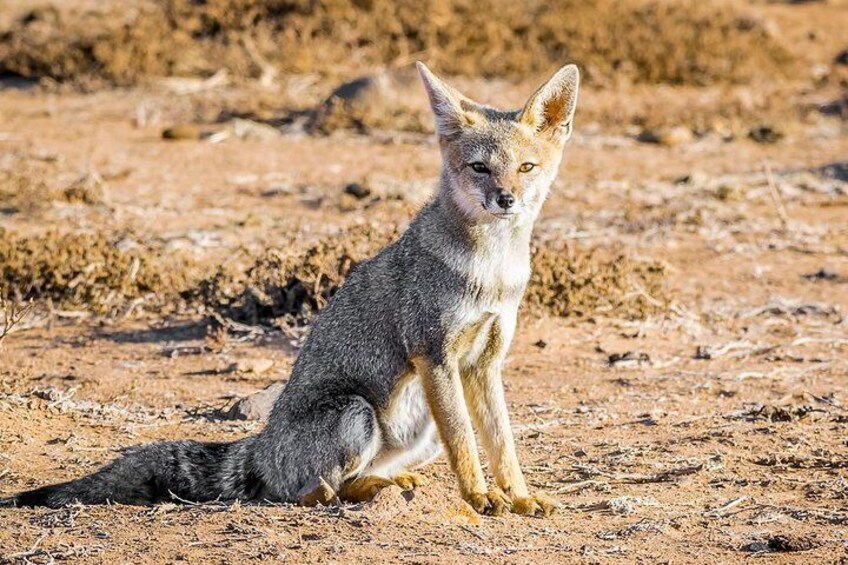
551, 109
453, 110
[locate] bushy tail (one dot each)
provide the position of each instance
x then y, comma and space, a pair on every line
173, 470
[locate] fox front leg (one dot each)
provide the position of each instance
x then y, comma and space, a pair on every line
484, 394
443, 388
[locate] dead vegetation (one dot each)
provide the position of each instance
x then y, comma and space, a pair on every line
14, 311
283, 288
25, 191
89, 271
287, 287
678, 42
20, 192
567, 281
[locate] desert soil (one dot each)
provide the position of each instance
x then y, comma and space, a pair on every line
711, 432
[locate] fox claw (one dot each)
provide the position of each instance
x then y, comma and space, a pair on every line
410, 481
491, 503
539, 504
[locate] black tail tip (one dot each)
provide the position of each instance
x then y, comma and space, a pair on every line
29, 499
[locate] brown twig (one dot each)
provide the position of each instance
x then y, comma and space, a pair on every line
14, 312
776, 198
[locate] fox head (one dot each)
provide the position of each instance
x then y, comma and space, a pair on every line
499, 165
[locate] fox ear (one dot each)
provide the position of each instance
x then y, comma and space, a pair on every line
453, 110
551, 109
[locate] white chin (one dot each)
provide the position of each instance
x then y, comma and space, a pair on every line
500, 214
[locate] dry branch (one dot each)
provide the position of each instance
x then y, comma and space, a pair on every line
635, 479
776, 197
14, 312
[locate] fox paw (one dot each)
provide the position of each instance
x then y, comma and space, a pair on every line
492, 503
410, 481
539, 504
363, 489
322, 494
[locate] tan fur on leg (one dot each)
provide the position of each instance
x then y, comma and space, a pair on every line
484, 395
363, 489
444, 396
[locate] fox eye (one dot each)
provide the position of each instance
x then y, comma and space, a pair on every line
526, 167
479, 167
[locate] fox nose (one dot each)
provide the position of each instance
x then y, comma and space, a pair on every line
505, 200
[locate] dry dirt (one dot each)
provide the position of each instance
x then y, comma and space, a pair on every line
678, 378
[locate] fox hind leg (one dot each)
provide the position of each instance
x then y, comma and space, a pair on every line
314, 452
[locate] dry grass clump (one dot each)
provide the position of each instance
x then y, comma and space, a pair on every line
571, 282
21, 192
120, 45
289, 288
652, 41
283, 288
25, 191
86, 271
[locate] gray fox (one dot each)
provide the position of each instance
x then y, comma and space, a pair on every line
406, 359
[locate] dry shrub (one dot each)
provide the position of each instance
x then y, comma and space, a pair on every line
289, 288
118, 45
86, 271
284, 288
653, 41
571, 282
20, 192
24, 191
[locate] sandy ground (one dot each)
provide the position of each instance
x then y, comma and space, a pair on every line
721, 437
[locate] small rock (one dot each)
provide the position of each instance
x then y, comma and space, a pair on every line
254, 366
626, 505
541, 344
765, 134
668, 137
357, 190
348, 203
841, 58
694, 178
460, 512
257, 406
781, 544
628, 359
728, 193
704, 352
774, 413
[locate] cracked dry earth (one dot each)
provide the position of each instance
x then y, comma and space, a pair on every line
712, 432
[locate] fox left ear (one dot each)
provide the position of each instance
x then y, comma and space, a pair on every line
453, 111
550, 110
